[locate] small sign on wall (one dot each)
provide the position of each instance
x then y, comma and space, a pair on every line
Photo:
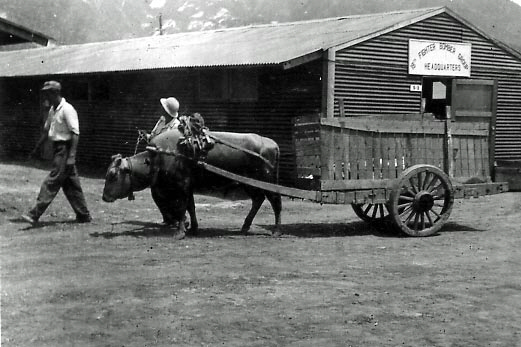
435, 58
415, 88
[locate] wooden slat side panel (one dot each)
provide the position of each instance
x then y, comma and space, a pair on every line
379, 154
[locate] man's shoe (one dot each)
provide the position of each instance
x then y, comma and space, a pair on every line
179, 235
29, 219
83, 219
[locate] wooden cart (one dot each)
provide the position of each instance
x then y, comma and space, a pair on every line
406, 168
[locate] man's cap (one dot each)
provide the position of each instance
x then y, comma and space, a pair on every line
52, 85
171, 105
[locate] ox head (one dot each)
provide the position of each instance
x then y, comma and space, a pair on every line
126, 176
118, 182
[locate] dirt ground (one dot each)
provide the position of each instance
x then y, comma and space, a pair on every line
331, 280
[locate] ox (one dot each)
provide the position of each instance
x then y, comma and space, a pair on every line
174, 179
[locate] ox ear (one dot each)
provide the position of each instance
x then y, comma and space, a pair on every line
123, 166
115, 156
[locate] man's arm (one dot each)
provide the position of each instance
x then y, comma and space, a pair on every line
71, 117
41, 140
71, 159
157, 128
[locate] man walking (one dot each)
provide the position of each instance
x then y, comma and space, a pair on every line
62, 128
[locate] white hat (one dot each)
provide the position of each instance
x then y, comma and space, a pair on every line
171, 105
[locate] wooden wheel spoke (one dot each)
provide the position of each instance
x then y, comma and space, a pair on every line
437, 215
409, 217
438, 197
435, 188
422, 219
375, 211
406, 198
420, 181
407, 191
429, 217
428, 179
432, 183
382, 212
366, 211
414, 190
404, 208
416, 219
405, 211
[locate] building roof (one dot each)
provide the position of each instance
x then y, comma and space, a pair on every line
285, 44
12, 34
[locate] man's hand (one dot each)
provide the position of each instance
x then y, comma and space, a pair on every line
71, 160
143, 135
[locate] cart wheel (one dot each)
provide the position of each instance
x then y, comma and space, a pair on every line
371, 213
422, 200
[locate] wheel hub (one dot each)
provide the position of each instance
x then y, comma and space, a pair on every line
423, 201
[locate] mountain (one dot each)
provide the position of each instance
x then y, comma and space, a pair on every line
81, 21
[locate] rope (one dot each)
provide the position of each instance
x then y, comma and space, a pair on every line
141, 136
234, 146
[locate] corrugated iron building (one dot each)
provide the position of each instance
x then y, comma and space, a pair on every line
250, 79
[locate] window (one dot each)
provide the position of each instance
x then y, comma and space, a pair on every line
230, 85
437, 93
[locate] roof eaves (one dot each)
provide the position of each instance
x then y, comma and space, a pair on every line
426, 13
133, 70
306, 58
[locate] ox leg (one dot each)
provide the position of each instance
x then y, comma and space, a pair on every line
257, 198
194, 225
276, 203
163, 205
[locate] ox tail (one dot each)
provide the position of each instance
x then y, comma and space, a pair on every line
277, 164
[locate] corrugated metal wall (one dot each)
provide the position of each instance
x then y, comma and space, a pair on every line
20, 117
372, 77
110, 126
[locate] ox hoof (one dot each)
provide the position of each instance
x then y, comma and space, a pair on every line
276, 233
246, 231
179, 235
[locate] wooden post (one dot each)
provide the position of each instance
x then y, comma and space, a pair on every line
448, 155
422, 108
328, 84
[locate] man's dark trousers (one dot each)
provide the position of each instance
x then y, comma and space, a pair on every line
61, 176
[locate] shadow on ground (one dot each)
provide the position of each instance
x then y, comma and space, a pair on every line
304, 230
41, 225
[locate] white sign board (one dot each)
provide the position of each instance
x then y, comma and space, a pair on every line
435, 58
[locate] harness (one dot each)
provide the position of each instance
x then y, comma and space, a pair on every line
134, 179
131, 195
